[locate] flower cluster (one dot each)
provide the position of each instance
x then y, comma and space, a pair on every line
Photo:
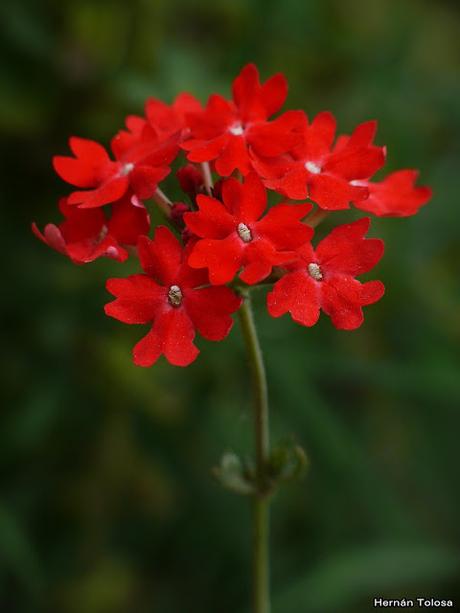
222, 239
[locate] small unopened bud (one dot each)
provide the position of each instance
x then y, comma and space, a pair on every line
244, 233
315, 271
187, 235
175, 295
190, 179
177, 212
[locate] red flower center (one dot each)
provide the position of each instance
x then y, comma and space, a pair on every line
314, 271
244, 233
175, 296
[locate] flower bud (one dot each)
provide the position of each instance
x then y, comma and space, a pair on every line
177, 213
190, 179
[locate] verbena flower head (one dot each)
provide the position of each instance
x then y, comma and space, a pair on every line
225, 238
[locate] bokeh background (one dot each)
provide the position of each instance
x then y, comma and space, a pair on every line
107, 500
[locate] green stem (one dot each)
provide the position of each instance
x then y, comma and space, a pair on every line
261, 588
164, 203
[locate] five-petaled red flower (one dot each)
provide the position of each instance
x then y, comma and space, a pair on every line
235, 234
226, 131
141, 161
175, 298
326, 174
325, 279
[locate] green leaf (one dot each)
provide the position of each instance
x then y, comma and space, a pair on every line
16, 552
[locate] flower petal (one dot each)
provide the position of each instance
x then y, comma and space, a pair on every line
319, 136
108, 192
76, 172
138, 299
92, 151
179, 333
209, 309
205, 150
333, 193
345, 250
282, 225
161, 257
128, 221
51, 236
147, 351
212, 220
342, 299
395, 196
274, 93
144, 179
223, 258
172, 334
298, 294
275, 137
360, 163
234, 156
247, 201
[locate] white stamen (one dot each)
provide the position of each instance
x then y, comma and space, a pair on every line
175, 295
357, 183
236, 129
126, 169
103, 233
244, 233
112, 252
313, 168
315, 271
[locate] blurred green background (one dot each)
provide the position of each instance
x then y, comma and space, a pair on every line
107, 502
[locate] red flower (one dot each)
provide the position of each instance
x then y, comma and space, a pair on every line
171, 296
141, 162
86, 235
395, 196
234, 235
226, 130
324, 279
316, 170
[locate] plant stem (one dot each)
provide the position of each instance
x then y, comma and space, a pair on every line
164, 203
207, 177
261, 589
315, 218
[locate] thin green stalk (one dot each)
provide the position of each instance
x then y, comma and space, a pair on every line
164, 203
261, 587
